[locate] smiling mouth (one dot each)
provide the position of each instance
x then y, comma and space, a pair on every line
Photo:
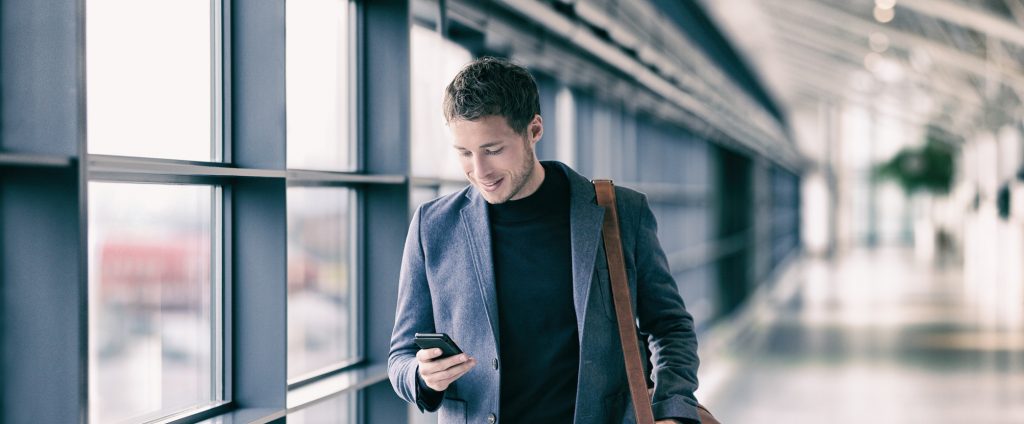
492, 186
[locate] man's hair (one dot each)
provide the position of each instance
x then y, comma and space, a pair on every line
492, 86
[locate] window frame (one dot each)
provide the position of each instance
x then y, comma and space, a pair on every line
217, 173
47, 167
353, 180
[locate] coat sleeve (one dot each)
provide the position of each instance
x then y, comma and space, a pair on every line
414, 314
663, 316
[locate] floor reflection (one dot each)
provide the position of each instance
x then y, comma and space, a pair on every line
873, 337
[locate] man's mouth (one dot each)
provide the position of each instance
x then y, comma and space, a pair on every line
489, 187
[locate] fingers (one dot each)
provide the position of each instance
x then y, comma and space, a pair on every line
425, 355
438, 365
442, 373
446, 377
439, 373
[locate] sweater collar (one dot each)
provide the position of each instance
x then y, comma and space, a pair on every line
552, 197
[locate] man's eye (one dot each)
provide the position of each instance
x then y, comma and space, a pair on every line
495, 152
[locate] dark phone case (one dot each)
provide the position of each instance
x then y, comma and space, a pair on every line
440, 341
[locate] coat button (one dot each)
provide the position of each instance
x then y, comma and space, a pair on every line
494, 363
491, 419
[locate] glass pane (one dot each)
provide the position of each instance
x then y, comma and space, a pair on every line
150, 78
151, 313
317, 75
338, 410
434, 62
321, 299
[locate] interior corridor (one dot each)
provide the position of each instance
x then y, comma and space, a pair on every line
873, 336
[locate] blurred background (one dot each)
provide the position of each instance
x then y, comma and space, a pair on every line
204, 202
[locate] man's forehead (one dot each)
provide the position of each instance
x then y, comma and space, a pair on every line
481, 133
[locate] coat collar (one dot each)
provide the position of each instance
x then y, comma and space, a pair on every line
585, 219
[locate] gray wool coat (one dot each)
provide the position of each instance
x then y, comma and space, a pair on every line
446, 285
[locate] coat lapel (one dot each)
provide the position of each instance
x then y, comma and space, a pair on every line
585, 220
476, 226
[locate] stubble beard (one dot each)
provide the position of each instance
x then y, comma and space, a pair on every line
520, 178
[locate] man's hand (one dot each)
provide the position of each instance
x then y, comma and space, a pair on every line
440, 373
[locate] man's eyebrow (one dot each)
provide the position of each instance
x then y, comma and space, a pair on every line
491, 144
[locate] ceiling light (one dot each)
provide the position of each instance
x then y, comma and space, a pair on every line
884, 15
885, 4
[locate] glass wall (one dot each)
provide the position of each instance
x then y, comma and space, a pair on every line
434, 61
322, 312
154, 284
157, 228
154, 75
155, 250
675, 170
322, 221
785, 215
320, 93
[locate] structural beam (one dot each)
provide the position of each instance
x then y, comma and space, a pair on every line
1017, 9
825, 45
968, 17
947, 55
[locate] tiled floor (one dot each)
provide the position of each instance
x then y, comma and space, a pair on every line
874, 337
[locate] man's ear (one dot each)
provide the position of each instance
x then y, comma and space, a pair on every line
536, 129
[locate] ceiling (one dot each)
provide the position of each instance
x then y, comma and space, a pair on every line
951, 65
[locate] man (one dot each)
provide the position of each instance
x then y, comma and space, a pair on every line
512, 268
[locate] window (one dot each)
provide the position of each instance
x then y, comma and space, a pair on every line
162, 238
153, 76
319, 81
154, 302
154, 86
565, 115
434, 61
322, 303
321, 101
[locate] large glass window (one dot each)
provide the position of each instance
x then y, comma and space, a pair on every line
153, 75
434, 62
319, 89
321, 297
154, 320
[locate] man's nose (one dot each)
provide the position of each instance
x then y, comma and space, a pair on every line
481, 167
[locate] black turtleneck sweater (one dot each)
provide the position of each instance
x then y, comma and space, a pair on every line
539, 346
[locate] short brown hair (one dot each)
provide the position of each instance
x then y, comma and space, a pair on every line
493, 86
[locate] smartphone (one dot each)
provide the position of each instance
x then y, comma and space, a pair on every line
437, 340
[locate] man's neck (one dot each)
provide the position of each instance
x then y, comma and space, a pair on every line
536, 179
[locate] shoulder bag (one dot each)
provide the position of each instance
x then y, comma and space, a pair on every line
624, 312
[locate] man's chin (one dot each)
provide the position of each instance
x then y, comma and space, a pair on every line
492, 198
495, 200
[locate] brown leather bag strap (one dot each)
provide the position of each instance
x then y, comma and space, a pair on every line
623, 311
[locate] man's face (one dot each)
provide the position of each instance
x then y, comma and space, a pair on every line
499, 162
